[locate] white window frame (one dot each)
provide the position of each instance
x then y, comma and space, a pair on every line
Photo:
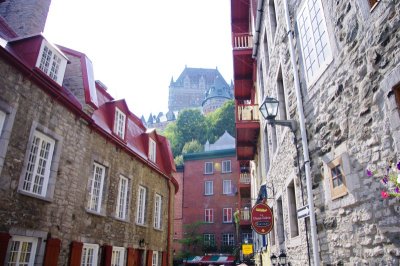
51, 62
292, 209
152, 150
157, 211
21, 240
121, 211
141, 206
208, 187
209, 215
155, 259
2, 120
209, 239
119, 123
228, 239
314, 65
96, 184
227, 187
226, 166
118, 256
37, 172
89, 249
225, 215
208, 165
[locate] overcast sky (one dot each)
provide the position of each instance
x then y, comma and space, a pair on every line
137, 46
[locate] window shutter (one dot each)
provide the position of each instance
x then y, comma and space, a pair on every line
76, 253
53, 247
4, 238
107, 254
164, 258
149, 258
131, 258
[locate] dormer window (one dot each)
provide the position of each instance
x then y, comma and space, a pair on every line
119, 123
152, 150
52, 62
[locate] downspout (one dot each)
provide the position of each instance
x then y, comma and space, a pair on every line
169, 222
259, 16
313, 224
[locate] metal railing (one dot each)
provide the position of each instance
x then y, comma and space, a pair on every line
242, 41
245, 214
244, 178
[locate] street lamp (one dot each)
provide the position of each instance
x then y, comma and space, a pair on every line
282, 258
269, 110
274, 259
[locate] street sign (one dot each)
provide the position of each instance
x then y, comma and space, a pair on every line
262, 219
303, 212
247, 249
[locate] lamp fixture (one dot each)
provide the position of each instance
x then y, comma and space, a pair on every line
282, 258
142, 243
274, 259
269, 110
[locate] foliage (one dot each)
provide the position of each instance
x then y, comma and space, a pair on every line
220, 120
178, 160
193, 241
227, 249
192, 147
191, 124
390, 180
170, 132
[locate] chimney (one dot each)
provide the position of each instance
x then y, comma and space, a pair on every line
25, 17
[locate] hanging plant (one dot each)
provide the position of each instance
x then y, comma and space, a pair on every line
390, 180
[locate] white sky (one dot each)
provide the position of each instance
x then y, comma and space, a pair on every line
136, 46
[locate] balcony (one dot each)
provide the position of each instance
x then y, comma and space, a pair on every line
242, 41
243, 65
247, 130
245, 216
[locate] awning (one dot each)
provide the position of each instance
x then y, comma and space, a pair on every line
216, 259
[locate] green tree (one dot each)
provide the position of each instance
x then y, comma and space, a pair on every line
171, 132
220, 120
193, 241
192, 147
191, 124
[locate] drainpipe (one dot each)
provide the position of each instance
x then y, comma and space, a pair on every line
258, 26
169, 222
313, 224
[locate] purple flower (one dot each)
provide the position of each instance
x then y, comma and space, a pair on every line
397, 190
384, 180
369, 172
398, 165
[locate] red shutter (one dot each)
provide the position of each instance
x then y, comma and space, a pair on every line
53, 247
107, 254
149, 257
4, 238
130, 257
164, 258
76, 253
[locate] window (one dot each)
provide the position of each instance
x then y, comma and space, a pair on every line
208, 215
141, 206
208, 168
280, 222
157, 211
314, 39
272, 233
337, 178
22, 251
247, 238
293, 222
36, 177
2, 120
89, 254
118, 256
227, 213
272, 17
266, 56
123, 198
396, 91
228, 240
281, 96
119, 123
209, 240
208, 188
152, 150
373, 3
227, 187
226, 166
155, 259
51, 62
96, 183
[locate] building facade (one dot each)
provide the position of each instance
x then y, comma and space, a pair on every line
83, 182
334, 68
210, 197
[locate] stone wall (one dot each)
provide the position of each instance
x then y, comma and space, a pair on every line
63, 214
350, 113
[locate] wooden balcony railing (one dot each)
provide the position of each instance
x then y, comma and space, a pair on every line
245, 214
242, 41
244, 178
247, 112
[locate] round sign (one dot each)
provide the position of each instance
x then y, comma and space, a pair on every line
262, 219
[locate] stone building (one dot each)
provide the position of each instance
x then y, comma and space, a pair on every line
334, 67
216, 95
210, 183
82, 181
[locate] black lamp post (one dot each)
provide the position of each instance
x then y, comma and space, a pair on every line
282, 258
269, 110
274, 259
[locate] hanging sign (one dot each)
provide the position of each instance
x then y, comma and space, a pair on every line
262, 219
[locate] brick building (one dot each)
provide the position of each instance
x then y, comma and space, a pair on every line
82, 181
334, 67
210, 183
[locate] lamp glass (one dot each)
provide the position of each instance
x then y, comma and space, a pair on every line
274, 259
269, 108
282, 258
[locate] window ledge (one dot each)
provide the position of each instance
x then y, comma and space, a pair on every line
25, 193
141, 225
95, 213
374, 6
158, 229
121, 220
